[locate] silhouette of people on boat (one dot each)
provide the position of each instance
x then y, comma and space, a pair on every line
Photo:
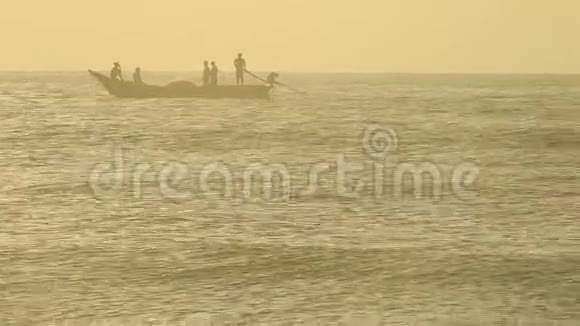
206, 73
214, 74
116, 73
240, 65
137, 77
210, 79
115, 85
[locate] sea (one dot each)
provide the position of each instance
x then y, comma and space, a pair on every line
350, 199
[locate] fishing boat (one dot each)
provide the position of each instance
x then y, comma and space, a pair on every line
181, 89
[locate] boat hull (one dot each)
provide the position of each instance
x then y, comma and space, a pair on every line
179, 90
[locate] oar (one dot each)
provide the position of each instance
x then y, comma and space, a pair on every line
278, 83
258, 78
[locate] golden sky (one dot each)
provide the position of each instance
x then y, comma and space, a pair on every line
457, 36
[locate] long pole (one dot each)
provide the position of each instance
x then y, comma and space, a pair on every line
278, 83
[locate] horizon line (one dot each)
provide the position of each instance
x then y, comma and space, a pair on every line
321, 72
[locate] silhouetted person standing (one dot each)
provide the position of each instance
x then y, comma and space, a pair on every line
116, 73
137, 77
206, 73
240, 65
214, 74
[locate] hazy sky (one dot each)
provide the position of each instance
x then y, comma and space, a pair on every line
489, 36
